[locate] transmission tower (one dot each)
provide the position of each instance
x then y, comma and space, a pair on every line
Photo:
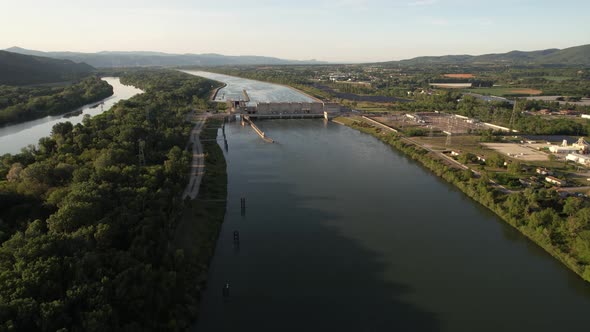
141, 154
512, 117
450, 131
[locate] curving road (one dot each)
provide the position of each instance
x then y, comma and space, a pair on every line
198, 163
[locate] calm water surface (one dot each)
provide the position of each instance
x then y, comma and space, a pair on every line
342, 233
15, 137
257, 91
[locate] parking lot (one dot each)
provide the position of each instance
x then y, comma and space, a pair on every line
518, 151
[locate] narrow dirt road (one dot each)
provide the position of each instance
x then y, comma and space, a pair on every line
198, 163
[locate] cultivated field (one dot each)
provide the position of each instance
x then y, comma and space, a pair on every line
502, 91
459, 75
451, 85
518, 151
526, 91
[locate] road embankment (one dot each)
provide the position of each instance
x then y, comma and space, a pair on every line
200, 223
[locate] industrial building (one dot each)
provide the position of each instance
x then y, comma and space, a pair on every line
579, 158
284, 109
581, 147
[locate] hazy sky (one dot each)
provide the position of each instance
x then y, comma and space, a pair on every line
332, 30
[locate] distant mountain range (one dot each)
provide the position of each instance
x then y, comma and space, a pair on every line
19, 69
68, 65
145, 59
578, 55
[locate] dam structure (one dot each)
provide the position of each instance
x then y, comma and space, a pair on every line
262, 100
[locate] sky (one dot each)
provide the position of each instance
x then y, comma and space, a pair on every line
327, 30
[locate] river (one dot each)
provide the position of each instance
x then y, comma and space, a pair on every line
343, 233
15, 137
257, 91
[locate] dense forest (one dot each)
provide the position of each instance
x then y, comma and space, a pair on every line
87, 226
559, 225
18, 104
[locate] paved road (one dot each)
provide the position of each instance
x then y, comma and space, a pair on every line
198, 163
575, 189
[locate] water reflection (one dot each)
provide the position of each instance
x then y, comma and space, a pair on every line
15, 137
342, 233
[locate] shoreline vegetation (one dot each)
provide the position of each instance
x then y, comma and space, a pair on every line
199, 226
20, 104
559, 226
88, 217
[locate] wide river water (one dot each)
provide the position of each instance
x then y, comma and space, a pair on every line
257, 91
343, 233
15, 137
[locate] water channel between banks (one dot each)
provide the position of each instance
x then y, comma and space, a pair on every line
15, 137
343, 233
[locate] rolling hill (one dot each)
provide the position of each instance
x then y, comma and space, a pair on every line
572, 55
578, 55
144, 59
19, 69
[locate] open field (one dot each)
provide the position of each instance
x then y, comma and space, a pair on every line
526, 91
469, 144
503, 91
557, 78
459, 75
451, 85
360, 98
369, 107
518, 151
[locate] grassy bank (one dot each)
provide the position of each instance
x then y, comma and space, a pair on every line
541, 216
201, 221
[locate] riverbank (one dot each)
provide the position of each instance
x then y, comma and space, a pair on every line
15, 137
479, 189
214, 94
198, 229
38, 102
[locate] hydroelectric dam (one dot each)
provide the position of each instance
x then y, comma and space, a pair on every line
262, 100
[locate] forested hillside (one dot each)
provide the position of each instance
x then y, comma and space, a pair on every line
19, 69
86, 228
578, 55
